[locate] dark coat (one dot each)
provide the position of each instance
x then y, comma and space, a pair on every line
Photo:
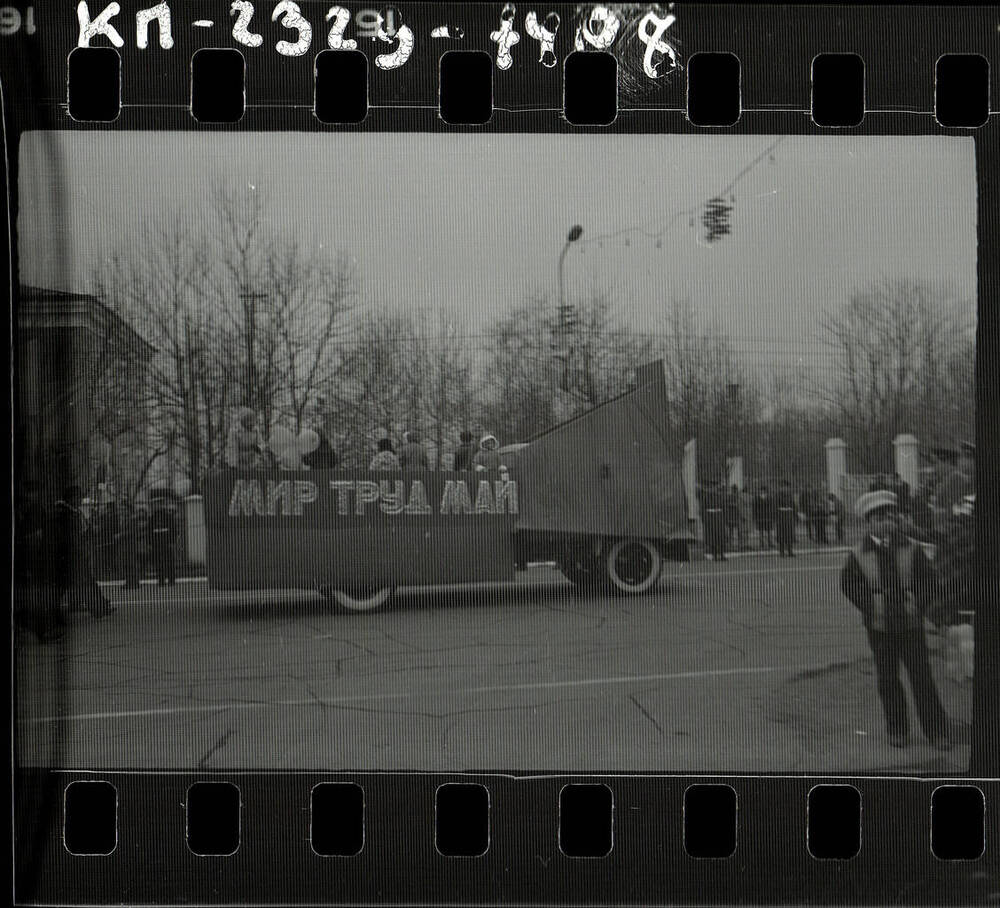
323, 458
163, 527
463, 456
764, 511
855, 586
413, 456
67, 547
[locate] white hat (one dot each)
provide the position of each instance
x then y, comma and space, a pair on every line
872, 501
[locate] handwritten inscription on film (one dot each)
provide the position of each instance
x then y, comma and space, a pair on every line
363, 497
599, 27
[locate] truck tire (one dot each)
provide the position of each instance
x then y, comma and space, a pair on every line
356, 600
586, 573
633, 565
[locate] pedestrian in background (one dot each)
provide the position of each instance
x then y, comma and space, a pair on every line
901, 489
163, 526
836, 509
820, 512
785, 504
70, 567
107, 533
136, 547
764, 513
746, 518
36, 605
888, 579
732, 512
412, 455
804, 510
712, 504
959, 482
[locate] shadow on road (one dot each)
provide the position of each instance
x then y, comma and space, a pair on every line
430, 599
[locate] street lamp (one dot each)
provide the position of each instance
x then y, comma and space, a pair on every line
564, 322
575, 232
732, 442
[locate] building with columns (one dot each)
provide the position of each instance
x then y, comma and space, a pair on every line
80, 373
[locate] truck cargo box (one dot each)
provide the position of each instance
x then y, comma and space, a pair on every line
615, 470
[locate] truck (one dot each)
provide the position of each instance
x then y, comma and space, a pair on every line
603, 495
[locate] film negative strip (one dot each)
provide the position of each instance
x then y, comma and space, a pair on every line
416, 412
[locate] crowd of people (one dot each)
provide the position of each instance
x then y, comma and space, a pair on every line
730, 516
62, 551
311, 450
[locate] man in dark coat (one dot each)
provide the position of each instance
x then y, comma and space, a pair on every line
70, 563
763, 516
901, 489
956, 485
712, 505
819, 515
785, 504
731, 508
836, 510
135, 551
955, 563
163, 526
805, 509
108, 537
36, 606
464, 452
888, 579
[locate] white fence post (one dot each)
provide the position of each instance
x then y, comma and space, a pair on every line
836, 464
194, 529
907, 459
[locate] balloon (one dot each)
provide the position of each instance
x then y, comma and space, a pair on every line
281, 440
308, 442
290, 459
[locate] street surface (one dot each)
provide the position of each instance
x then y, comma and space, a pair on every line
755, 665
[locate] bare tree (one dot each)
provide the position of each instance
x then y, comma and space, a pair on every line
375, 384
237, 314
712, 396
156, 284
444, 370
898, 347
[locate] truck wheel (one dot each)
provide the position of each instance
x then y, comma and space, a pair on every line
586, 573
633, 565
366, 599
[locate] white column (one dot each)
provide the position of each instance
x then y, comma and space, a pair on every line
836, 464
907, 459
734, 473
194, 529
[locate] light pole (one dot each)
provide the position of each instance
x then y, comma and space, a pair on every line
574, 234
732, 442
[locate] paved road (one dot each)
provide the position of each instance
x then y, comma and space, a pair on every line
756, 665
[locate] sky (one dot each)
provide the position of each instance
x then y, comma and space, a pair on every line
475, 223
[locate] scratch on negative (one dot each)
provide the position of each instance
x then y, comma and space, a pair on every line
639, 706
218, 745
